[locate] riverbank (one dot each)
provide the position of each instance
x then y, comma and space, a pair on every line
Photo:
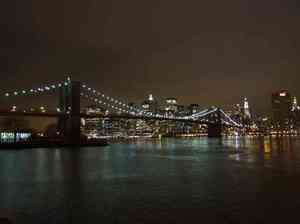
51, 144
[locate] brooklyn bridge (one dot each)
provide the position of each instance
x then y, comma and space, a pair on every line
69, 112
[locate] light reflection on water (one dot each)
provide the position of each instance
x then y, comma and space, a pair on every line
171, 178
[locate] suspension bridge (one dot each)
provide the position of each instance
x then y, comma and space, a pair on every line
69, 113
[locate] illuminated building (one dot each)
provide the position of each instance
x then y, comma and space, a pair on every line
93, 109
182, 111
194, 108
295, 112
133, 105
93, 127
235, 112
150, 105
12, 134
281, 108
10, 137
237, 109
246, 109
295, 106
143, 128
264, 124
171, 106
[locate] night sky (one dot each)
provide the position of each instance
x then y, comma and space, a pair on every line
208, 52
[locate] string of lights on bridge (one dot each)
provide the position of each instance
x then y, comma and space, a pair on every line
119, 105
114, 104
123, 107
100, 102
109, 101
34, 91
230, 119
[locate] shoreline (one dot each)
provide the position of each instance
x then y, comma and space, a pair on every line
45, 144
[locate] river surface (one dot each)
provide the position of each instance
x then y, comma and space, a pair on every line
236, 180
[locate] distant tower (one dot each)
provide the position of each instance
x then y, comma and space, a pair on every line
69, 104
151, 98
150, 104
281, 106
294, 104
246, 109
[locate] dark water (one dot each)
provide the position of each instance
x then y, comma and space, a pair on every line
168, 181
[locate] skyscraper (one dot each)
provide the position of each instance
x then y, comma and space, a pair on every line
171, 105
193, 108
281, 108
246, 109
150, 104
295, 106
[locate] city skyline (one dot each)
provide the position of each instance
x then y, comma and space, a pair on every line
149, 111
111, 117
47, 101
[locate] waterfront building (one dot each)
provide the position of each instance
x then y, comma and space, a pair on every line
15, 135
93, 127
113, 127
264, 124
130, 127
143, 128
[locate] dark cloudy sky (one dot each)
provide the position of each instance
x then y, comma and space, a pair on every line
204, 51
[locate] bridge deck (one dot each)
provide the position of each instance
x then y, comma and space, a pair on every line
83, 115
111, 116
